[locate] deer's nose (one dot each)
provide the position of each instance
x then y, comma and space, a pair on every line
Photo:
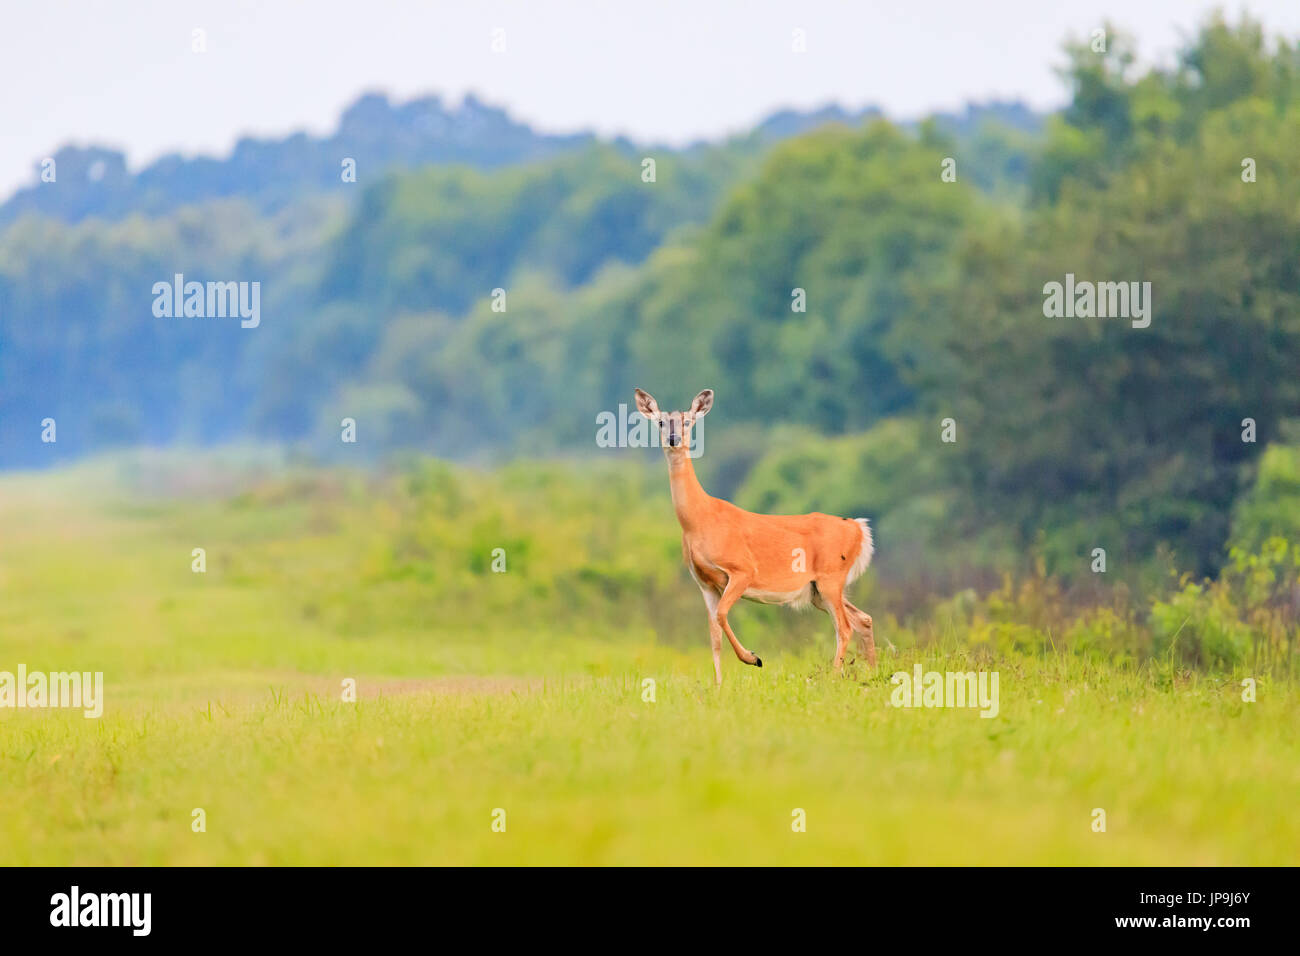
674, 440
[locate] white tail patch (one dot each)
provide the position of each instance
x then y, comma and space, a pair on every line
864, 553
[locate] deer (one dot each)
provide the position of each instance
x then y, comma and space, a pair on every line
795, 560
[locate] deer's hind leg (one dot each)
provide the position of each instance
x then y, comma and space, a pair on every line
865, 627
829, 596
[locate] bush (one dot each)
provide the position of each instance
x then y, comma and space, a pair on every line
1199, 626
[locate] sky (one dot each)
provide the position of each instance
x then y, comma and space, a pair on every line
123, 73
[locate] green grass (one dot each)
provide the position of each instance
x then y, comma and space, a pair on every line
523, 691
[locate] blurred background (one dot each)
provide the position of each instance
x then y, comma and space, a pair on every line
795, 147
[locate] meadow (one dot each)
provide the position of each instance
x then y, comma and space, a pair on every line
524, 690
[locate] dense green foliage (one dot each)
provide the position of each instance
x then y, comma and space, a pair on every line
1106, 434
444, 237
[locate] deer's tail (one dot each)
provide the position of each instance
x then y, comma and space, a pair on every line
865, 552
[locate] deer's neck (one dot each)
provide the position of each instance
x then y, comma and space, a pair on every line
689, 498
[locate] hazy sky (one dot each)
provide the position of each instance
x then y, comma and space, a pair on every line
122, 72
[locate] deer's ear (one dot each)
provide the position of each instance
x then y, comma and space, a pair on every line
646, 405
703, 402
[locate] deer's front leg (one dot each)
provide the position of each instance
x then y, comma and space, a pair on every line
737, 583
715, 631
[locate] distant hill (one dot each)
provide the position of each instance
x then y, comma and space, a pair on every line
784, 124
1015, 115
379, 135
1009, 113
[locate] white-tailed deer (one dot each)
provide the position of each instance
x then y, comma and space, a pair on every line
773, 559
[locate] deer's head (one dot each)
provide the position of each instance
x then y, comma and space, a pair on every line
674, 427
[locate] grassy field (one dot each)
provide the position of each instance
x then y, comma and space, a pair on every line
524, 691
